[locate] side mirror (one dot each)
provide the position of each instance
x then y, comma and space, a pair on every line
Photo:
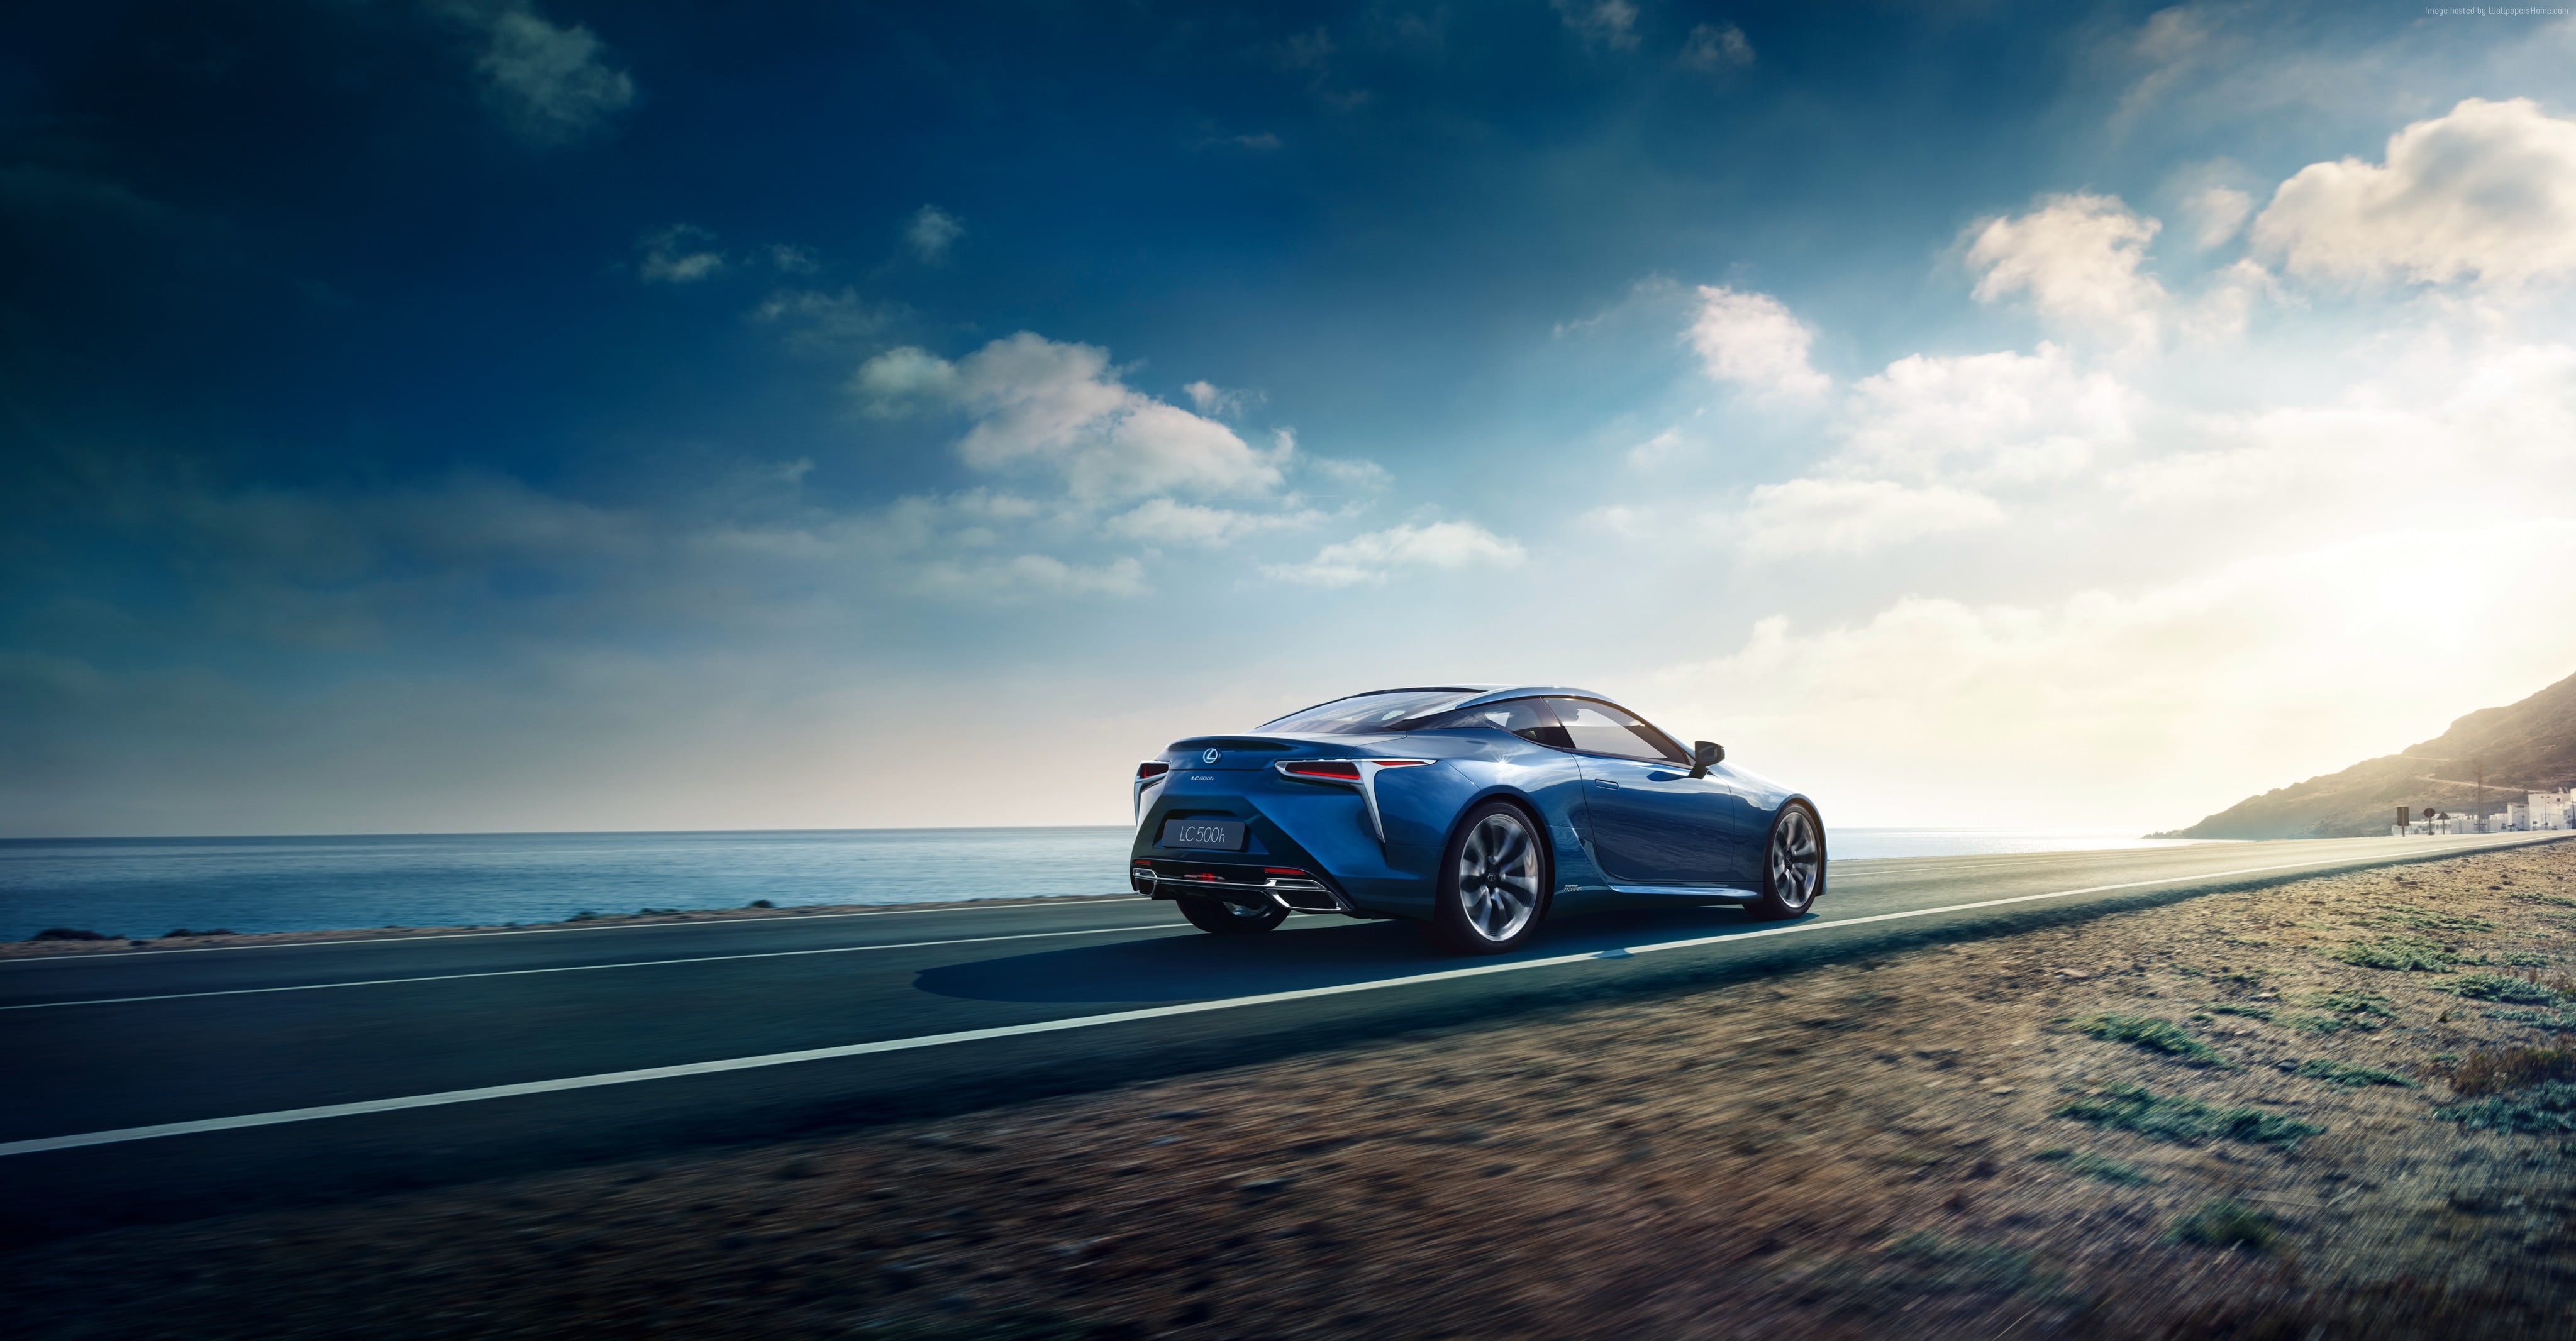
1706, 754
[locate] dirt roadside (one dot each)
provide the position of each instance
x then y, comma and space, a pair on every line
2228, 1116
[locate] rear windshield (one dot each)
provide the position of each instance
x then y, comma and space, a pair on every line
1370, 714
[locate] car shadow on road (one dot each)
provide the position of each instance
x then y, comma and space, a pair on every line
1303, 954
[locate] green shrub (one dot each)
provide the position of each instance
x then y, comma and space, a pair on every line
2548, 1108
2349, 1002
2225, 1224
2095, 1166
2427, 919
2152, 1034
2339, 1073
2500, 987
1950, 1264
2182, 1121
1911, 1267
2404, 954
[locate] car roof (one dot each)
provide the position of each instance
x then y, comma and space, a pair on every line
1485, 693
1526, 690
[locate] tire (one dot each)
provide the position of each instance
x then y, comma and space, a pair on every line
1218, 917
1793, 864
1494, 881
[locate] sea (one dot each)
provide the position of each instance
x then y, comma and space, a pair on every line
149, 887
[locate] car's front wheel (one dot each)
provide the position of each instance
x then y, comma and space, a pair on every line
1228, 919
1793, 865
1493, 881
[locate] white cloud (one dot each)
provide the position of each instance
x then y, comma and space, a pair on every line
891, 381
1716, 47
1212, 399
1658, 449
550, 83
1164, 521
1031, 573
824, 324
1353, 476
1036, 402
1996, 419
2077, 258
2217, 215
2486, 192
680, 254
1922, 448
1754, 341
2161, 704
981, 545
1369, 559
793, 260
2428, 429
932, 232
2223, 307
1247, 142
2173, 44
1612, 23
1813, 516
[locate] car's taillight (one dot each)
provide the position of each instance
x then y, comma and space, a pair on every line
1339, 770
1152, 770
1399, 763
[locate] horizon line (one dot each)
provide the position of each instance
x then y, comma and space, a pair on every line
900, 828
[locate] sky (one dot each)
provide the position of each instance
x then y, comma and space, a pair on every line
483, 415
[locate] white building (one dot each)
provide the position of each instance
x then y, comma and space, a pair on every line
2539, 810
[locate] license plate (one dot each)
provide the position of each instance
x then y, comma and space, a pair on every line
1223, 834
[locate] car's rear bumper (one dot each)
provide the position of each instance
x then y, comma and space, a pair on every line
1307, 846
1297, 890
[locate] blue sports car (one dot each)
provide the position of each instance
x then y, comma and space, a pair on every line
1478, 809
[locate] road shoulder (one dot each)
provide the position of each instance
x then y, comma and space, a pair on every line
2287, 1108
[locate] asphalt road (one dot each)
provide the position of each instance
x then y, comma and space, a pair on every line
156, 1085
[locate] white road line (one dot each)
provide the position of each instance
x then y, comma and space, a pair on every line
587, 968
127, 956
1053, 1026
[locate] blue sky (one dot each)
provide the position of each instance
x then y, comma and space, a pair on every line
469, 415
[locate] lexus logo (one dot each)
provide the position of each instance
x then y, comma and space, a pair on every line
1208, 756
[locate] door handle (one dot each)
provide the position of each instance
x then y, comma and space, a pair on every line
1605, 782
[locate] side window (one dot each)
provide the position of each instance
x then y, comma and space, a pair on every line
1599, 728
1527, 718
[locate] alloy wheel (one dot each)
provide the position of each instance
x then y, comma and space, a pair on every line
1797, 861
1498, 877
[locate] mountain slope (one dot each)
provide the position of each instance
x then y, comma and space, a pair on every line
2528, 746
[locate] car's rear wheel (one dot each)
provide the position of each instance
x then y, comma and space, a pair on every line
1228, 919
1493, 881
1793, 864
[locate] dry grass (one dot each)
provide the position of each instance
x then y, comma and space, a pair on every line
2486, 1072
1932, 1143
